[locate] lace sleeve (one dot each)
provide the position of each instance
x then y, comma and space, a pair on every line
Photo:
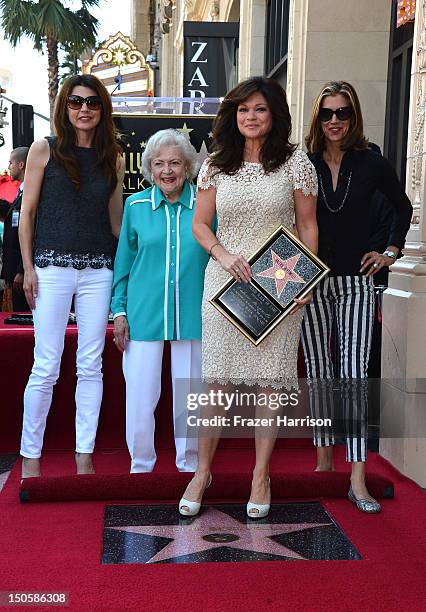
206, 176
304, 174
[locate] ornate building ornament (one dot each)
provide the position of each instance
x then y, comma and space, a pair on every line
121, 67
214, 10
166, 15
417, 152
189, 9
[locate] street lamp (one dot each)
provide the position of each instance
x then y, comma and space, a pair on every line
3, 111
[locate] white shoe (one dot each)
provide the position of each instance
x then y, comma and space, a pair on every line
258, 510
191, 508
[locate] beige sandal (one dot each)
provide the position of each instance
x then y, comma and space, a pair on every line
84, 463
30, 470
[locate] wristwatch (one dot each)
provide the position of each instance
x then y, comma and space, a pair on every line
390, 254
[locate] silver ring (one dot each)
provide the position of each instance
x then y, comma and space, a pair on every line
375, 265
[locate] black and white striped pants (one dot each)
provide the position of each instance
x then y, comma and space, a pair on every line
347, 303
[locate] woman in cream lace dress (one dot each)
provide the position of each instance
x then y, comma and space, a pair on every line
250, 206
254, 181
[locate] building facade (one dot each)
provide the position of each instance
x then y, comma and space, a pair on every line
302, 44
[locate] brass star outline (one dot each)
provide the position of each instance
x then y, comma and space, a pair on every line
282, 271
189, 539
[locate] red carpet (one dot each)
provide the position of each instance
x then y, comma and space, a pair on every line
292, 478
57, 546
168, 487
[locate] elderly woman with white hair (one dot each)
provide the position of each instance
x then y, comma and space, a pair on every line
157, 291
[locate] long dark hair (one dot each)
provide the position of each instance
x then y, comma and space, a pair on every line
105, 141
355, 139
228, 142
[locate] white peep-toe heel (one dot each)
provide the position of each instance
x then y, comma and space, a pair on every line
191, 508
258, 511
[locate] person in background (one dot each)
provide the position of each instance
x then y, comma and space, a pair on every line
157, 291
381, 218
4, 207
73, 184
12, 270
349, 173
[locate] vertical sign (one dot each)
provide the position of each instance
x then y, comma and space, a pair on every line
406, 12
210, 58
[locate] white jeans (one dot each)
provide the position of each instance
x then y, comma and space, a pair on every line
142, 363
92, 293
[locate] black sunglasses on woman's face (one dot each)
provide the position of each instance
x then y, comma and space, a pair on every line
76, 102
343, 113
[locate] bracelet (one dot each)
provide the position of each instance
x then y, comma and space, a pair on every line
210, 251
391, 254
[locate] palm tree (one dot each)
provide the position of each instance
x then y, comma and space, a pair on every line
71, 64
50, 24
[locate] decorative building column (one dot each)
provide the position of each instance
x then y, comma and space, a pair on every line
171, 13
404, 307
141, 25
252, 38
296, 67
331, 40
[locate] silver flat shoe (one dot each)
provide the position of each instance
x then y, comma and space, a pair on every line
365, 505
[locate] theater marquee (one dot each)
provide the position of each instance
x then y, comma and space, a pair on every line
135, 130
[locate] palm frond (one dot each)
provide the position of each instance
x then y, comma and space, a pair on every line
70, 65
90, 3
53, 19
17, 20
84, 28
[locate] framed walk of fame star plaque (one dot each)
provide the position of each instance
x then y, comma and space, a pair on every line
282, 269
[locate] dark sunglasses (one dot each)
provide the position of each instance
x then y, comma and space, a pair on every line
76, 102
343, 113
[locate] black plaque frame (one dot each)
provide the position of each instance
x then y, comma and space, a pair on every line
270, 311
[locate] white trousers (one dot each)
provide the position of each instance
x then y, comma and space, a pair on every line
142, 364
92, 294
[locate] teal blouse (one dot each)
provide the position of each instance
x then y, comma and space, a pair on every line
159, 267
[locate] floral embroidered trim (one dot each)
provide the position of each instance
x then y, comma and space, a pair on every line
287, 384
79, 261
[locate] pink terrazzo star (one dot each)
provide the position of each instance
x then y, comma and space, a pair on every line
282, 271
212, 523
